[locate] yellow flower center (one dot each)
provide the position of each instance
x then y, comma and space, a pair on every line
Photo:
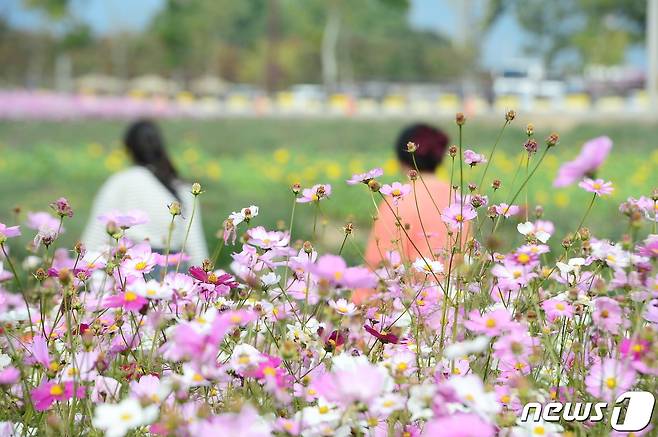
197, 377
140, 265
323, 409
151, 292
244, 359
269, 371
491, 323
56, 390
129, 296
388, 403
611, 383
539, 430
596, 186
236, 318
396, 192
638, 348
459, 218
560, 306
125, 416
338, 276
505, 399
402, 367
523, 258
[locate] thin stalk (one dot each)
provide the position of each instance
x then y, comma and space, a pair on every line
493, 150
187, 233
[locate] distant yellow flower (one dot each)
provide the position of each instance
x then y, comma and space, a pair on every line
391, 166
281, 155
213, 170
191, 155
94, 150
561, 199
356, 166
333, 170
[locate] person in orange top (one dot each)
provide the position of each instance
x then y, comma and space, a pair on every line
420, 208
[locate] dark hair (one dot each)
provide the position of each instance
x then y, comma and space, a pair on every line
146, 146
432, 144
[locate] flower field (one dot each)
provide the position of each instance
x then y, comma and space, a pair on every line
40, 161
285, 332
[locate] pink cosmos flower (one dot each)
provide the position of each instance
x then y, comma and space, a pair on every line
396, 190
492, 323
8, 231
598, 186
334, 269
247, 423
42, 220
471, 158
607, 314
365, 177
124, 220
128, 300
591, 157
217, 282
49, 392
556, 308
459, 425
649, 248
609, 378
261, 237
315, 194
9, 375
139, 261
507, 210
352, 379
456, 215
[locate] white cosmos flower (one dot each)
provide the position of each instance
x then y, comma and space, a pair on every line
428, 266
529, 228
270, 279
470, 390
117, 419
245, 213
467, 347
152, 290
343, 307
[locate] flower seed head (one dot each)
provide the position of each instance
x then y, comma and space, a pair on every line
452, 151
496, 184
552, 139
510, 115
411, 147
174, 208
196, 189
460, 119
530, 130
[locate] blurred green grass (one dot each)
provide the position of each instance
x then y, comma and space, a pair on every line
245, 161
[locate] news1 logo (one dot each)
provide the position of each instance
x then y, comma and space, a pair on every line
638, 406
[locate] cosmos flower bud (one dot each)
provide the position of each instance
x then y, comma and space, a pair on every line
460, 119
207, 265
308, 247
510, 115
654, 195
296, 188
413, 175
552, 139
174, 208
374, 185
530, 129
531, 146
477, 201
491, 212
62, 207
452, 151
40, 275
196, 189
80, 248
584, 234
539, 211
472, 187
411, 147
496, 184
348, 228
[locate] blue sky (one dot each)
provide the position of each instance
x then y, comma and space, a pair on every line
501, 44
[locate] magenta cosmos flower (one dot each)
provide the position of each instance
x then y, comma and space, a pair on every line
365, 177
591, 157
8, 232
471, 158
456, 215
598, 186
49, 392
396, 190
315, 193
609, 378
